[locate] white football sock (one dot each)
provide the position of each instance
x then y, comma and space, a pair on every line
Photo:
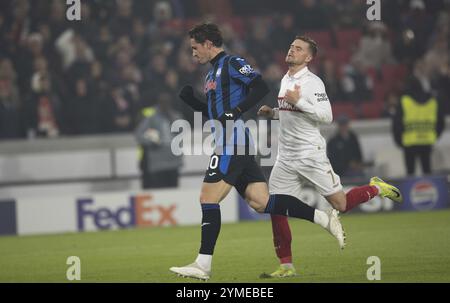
321, 218
204, 261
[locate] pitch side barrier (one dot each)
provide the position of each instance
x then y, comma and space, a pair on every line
106, 211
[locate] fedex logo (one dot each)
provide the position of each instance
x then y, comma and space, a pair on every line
140, 211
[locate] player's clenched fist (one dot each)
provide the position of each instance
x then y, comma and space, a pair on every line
293, 96
266, 111
186, 93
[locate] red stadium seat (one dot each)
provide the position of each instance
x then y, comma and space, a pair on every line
373, 109
347, 109
348, 39
340, 56
238, 26
393, 76
322, 38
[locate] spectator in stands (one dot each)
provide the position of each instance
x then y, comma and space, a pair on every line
329, 74
81, 110
437, 56
119, 110
259, 43
24, 58
349, 13
272, 74
417, 125
154, 75
344, 150
122, 21
419, 24
310, 15
159, 166
390, 105
73, 49
374, 47
283, 31
356, 85
44, 110
116, 41
10, 104
442, 84
57, 20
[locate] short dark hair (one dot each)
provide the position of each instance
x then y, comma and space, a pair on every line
207, 31
312, 44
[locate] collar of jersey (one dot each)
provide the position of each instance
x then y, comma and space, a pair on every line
299, 73
217, 58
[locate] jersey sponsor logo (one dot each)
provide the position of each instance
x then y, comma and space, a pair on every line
210, 85
321, 97
283, 105
246, 70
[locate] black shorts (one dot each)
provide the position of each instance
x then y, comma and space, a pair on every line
235, 170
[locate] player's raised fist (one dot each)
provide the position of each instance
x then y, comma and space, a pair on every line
186, 93
266, 111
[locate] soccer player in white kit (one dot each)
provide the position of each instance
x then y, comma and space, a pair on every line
303, 105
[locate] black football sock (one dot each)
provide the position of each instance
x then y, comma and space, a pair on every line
289, 206
211, 222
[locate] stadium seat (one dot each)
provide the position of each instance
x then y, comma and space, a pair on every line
340, 108
238, 26
348, 39
340, 56
393, 76
322, 38
372, 109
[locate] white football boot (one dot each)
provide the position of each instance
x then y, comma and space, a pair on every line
192, 271
334, 227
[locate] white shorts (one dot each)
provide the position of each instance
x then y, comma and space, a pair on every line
288, 177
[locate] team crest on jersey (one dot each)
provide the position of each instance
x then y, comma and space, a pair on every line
210, 85
283, 105
246, 70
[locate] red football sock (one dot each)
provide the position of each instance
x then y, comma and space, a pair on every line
282, 238
358, 195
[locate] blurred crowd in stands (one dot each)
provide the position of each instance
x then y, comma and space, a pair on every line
60, 77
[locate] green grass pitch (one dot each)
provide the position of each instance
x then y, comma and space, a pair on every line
412, 247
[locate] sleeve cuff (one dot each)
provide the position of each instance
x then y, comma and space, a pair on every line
276, 113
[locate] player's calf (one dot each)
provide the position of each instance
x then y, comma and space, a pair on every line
338, 201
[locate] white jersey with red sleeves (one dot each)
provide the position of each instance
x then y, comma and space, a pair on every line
299, 135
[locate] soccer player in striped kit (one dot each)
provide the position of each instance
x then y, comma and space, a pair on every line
303, 107
232, 87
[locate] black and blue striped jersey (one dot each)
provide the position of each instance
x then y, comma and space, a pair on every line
226, 86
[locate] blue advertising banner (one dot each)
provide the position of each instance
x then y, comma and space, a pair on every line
419, 194
425, 193
8, 224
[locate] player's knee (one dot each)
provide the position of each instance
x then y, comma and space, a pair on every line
340, 205
204, 197
258, 205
